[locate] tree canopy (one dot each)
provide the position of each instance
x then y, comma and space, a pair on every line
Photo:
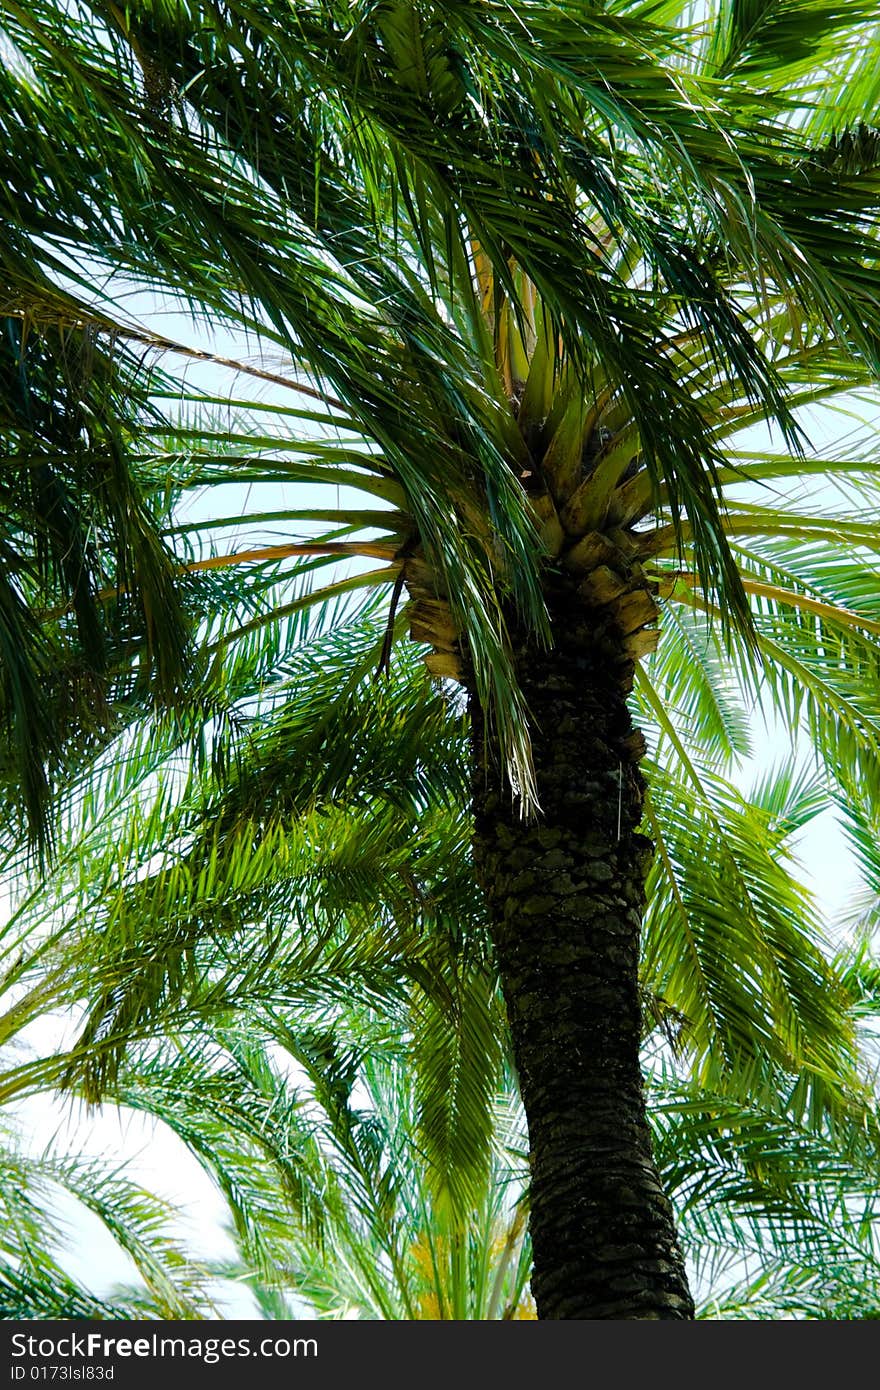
529, 313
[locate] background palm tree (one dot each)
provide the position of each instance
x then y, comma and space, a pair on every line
43, 1197
541, 269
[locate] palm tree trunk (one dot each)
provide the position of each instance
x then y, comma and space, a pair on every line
566, 896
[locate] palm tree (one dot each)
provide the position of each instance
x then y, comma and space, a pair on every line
777, 1219
357, 1117
355, 1183
209, 925
537, 271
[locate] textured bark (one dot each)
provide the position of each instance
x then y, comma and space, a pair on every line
566, 897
